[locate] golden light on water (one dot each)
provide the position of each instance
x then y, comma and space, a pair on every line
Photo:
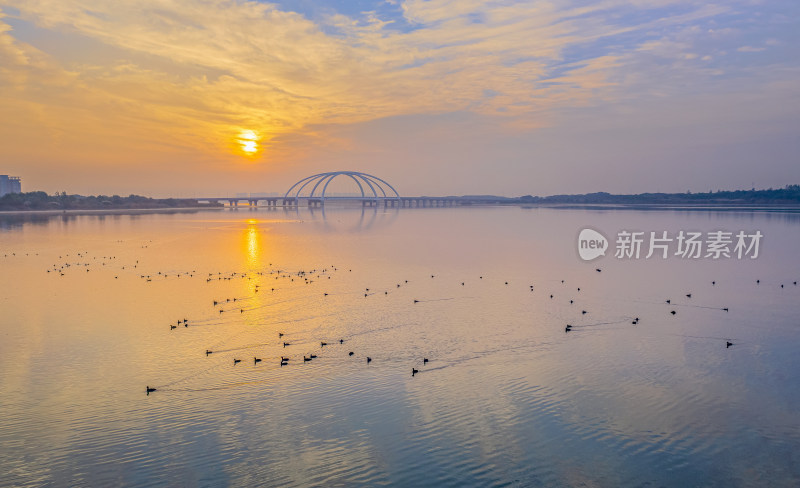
248, 142
253, 245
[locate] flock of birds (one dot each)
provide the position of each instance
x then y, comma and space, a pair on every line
83, 260
308, 277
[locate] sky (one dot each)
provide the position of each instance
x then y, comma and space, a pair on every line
438, 97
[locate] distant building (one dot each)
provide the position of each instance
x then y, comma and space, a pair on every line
10, 184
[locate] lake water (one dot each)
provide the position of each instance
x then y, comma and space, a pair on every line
507, 398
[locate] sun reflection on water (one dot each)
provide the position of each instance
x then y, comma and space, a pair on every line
253, 245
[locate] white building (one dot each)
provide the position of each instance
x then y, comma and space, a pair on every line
10, 184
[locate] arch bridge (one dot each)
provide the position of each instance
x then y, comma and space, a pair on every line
313, 189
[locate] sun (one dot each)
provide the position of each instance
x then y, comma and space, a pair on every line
248, 142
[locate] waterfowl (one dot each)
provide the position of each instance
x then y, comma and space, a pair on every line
256, 360
173, 327
567, 328
673, 312
149, 390
425, 361
350, 353
341, 341
369, 359
236, 361
323, 344
312, 356
414, 371
286, 344
208, 352
728, 344
688, 295
305, 359
726, 309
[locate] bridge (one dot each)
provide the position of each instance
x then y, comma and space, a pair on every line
373, 192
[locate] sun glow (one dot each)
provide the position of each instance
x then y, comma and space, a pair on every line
248, 142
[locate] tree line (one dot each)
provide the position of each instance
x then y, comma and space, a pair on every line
39, 200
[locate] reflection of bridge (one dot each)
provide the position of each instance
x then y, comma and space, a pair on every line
318, 202
373, 191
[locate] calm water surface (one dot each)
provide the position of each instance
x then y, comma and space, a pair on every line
507, 397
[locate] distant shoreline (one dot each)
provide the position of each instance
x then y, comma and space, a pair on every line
720, 207
108, 211
558, 206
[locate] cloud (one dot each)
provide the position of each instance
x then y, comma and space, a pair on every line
181, 79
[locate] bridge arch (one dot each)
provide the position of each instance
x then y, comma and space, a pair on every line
372, 188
